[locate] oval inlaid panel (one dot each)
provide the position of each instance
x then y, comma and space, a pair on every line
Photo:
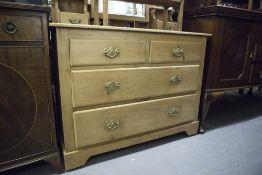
17, 108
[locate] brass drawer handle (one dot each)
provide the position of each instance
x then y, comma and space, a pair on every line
10, 27
75, 21
112, 86
112, 52
178, 52
175, 80
112, 124
173, 112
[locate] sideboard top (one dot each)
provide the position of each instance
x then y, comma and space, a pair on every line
81, 26
23, 6
222, 11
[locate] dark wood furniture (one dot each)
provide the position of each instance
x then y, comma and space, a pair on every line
27, 128
234, 53
243, 4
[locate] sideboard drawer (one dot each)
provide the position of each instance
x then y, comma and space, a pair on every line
175, 52
17, 28
102, 52
93, 87
111, 123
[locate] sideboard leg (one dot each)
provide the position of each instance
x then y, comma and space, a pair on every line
207, 100
241, 91
250, 91
57, 164
206, 103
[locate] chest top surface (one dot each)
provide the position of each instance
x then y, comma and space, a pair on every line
110, 28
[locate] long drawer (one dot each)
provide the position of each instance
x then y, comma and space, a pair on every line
102, 52
111, 123
176, 51
93, 87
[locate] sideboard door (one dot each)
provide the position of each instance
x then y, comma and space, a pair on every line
234, 64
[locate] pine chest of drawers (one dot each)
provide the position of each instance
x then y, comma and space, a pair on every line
122, 86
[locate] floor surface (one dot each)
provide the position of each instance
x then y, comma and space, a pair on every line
232, 145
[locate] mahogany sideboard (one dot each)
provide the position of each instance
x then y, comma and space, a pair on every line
234, 53
27, 123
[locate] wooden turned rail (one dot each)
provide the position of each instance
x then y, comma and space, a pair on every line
165, 3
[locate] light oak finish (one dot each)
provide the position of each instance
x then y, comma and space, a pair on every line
183, 36
66, 11
163, 18
79, 157
146, 116
143, 94
162, 51
156, 13
106, 17
105, 12
165, 23
91, 52
135, 83
97, 16
94, 11
74, 18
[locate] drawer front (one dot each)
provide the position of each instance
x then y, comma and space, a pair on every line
101, 52
111, 123
74, 18
175, 52
20, 28
93, 87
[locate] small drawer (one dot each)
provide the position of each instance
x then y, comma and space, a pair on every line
101, 52
16, 28
74, 18
176, 52
112, 123
102, 86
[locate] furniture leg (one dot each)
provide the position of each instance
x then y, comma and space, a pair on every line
250, 92
241, 91
57, 164
207, 100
